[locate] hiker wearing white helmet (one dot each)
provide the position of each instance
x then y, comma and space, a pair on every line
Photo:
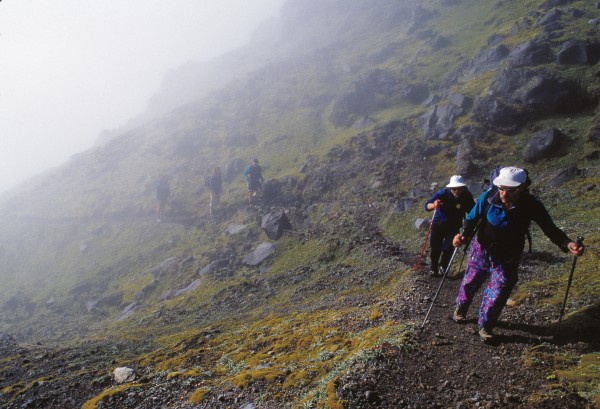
451, 204
498, 224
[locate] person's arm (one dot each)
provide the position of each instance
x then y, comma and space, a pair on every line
434, 202
471, 222
540, 215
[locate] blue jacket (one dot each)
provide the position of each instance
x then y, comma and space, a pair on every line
503, 231
453, 209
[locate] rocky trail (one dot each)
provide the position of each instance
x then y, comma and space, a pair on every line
448, 366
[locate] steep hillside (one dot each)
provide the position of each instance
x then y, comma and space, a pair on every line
356, 110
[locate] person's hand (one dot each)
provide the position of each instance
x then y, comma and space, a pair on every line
458, 240
578, 251
436, 204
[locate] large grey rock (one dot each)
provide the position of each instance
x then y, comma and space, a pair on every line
275, 223
518, 95
260, 253
488, 59
564, 176
422, 224
212, 267
579, 52
496, 115
123, 374
543, 145
191, 287
530, 53
235, 228
438, 120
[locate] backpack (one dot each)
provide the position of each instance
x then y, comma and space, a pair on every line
489, 188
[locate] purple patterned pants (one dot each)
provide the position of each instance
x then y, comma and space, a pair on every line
502, 279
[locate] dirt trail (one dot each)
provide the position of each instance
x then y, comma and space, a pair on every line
450, 367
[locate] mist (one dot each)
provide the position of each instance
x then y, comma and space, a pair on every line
71, 69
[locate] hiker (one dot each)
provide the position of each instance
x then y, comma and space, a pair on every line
215, 185
162, 195
451, 204
497, 225
254, 179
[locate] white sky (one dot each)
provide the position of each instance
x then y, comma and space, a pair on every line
71, 68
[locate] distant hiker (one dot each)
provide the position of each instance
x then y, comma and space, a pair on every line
451, 204
162, 195
254, 179
498, 224
215, 184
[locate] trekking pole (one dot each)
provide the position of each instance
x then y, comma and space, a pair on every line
562, 309
439, 288
416, 267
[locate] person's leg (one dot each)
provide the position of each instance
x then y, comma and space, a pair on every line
503, 277
435, 242
447, 248
475, 274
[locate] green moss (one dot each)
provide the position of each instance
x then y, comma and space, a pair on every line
198, 395
93, 403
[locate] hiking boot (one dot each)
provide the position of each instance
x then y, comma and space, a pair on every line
433, 273
460, 315
485, 334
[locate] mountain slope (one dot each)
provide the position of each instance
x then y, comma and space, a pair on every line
354, 110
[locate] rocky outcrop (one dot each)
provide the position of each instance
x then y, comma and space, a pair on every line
437, 122
519, 95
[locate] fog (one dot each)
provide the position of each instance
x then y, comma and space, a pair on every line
72, 68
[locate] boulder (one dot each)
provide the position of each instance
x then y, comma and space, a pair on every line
518, 95
123, 374
438, 120
497, 115
422, 224
191, 287
212, 267
259, 254
488, 59
234, 229
579, 52
544, 144
564, 176
275, 223
464, 158
530, 53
